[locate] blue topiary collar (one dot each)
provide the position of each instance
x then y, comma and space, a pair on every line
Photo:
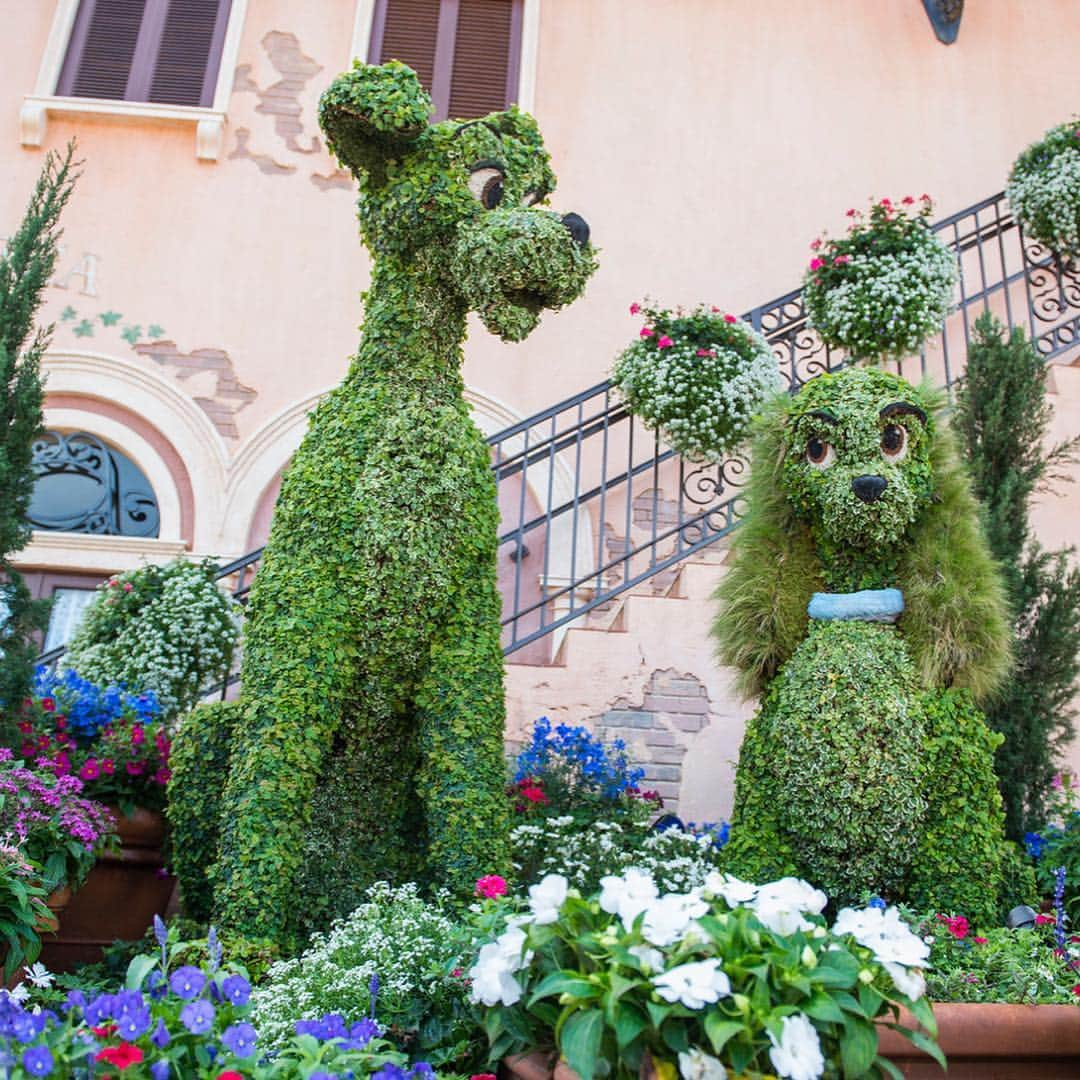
869, 605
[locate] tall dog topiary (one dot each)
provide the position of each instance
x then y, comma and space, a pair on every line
368, 743
863, 600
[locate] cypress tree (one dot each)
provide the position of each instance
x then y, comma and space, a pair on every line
25, 268
1002, 415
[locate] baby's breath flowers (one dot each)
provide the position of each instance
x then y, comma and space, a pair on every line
1044, 189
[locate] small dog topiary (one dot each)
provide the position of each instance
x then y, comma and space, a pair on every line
372, 710
865, 603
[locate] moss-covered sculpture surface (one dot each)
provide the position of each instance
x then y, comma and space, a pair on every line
372, 712
869, 765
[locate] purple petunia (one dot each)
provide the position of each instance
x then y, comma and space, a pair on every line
187, 982
160, 1070
197, 1017
38, 1060
160, 1036
236, 990
361, 1033
240, 1039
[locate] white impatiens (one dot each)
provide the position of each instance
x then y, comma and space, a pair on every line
883, 932
627, 896
735, 893
797, 1055
694, 985
547, 897
782, 905
695, 1064
492, 975
668, 919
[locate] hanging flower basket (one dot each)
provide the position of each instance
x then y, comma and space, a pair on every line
883, 289
1044, 190
698, 377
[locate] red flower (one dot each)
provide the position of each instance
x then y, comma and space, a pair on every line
26, 727
105, 1030
162, 776
232, 1074
980, 940
482, 1076
714, 309
730, 319
957, 926
851, 212
48, 704
1076, 990
122, 1056
635, 307
907, 200
43, 742
534, 794
90, 770
490, 886
28, 749
60, 722
1044, 920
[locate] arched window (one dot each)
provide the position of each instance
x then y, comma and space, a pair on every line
85, 486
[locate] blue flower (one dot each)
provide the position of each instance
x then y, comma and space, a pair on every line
319, 1074
240, 1039
187, 982
38, 1061
213, 947
422, 1068
26, 1027
877, 902
197, 1017
161, 1037
361, 1033
99, 1010
131, 1025
160, 1070
76, 999
389, 1072
236, 990
1035, 844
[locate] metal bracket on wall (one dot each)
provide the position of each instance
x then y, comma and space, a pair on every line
944, 16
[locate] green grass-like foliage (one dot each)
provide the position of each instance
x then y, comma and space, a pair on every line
869, 765
373, 705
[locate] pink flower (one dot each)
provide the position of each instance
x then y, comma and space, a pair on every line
90, 770
1076, 989
138, 736
978, 940
907, 200
107, 766
1044, 920
635, 307
815, 243
706, 352
841, 260
646, 331
490, 886
957, 926
714, 309
925, 198
816, 263
162, 776
730, 319
135, 768
533, 794
1057, 782
48, 704
128, 586
851, 212
664, 342
886, 202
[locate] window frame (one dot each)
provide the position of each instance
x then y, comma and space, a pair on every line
46, 101
521, 65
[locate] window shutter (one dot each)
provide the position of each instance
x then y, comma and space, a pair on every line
102, 47
407, 30
186, 66
478, 83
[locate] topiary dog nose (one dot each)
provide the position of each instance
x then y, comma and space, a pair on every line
869, 488
578, 228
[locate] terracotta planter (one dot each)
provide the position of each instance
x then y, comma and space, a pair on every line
119, 899
994, 1042
980, 1042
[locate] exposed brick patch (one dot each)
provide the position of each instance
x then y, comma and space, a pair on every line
674, 705
230, 395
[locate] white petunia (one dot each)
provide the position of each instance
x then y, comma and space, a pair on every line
797, 1055
547, 897
781, 905
695, 1064
885, 933
668, 919
693, 985
734, 892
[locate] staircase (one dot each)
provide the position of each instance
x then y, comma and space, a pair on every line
606, 531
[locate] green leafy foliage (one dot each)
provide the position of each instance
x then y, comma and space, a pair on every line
25, 268
23, 914
859, 771
1002, 416
373, 708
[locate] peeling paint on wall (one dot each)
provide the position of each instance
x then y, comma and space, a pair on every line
339, 178
265, 162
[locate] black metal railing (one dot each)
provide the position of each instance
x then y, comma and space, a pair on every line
594, 505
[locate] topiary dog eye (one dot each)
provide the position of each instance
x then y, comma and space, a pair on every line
819, 453
531, 198
486, 183
894, 441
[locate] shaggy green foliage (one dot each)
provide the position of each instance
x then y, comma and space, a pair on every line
25, 268
372, 666
847, 793
1002, 416
954, 623
859, 771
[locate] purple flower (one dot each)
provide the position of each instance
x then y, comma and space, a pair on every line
99, 1009
213, 947
161, 1037
361, 1033
38, 1061
422, 1068
198, 1017
187, 982
390, 1072
26, 1027
240, 1039
127, 1001
160, 1070
131, 1025
76, 999
236, 990
321, 1075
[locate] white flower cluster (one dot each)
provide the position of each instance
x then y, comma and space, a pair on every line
176, 644
670, 922
887, 305
702, 399
1044, 190
584, 852
394, 934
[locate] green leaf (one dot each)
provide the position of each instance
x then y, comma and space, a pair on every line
720, 1030
823, 1007
923, 1012
887, 1066
580, 1041
928, 1046
564, 982
858, 1047
657, 1013
836, 968
630, 1022
138, 969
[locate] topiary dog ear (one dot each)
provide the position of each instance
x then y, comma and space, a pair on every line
371, 114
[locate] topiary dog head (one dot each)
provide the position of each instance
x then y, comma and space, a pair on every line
459, 201
857, 465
